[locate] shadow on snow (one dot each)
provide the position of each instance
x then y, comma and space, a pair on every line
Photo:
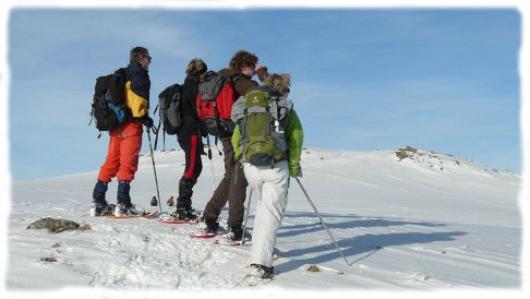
356, 222
364, 245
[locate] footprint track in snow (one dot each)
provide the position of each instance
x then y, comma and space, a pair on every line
167, 259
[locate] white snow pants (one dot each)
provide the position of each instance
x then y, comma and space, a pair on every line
269, 188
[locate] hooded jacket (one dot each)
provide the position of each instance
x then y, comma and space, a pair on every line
137, 90
190, 119
294, 135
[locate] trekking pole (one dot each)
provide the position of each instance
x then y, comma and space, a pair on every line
158, 127
322, 221
154, 170
247, 212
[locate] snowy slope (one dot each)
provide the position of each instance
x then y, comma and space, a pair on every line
426, 221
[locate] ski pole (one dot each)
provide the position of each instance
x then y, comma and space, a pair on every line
154, 170
247, 212
322, 221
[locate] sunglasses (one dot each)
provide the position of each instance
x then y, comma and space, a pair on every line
149, 58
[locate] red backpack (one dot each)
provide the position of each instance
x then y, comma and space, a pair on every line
214, 102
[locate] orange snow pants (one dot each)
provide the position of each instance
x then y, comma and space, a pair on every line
122, 156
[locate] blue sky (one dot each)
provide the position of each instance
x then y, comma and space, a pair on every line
443, 80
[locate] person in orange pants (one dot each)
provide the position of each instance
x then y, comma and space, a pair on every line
122, 157
126, 141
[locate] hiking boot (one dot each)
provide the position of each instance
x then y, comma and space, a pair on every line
100, 189
123, 210
101, 209
259, 274
123, 196
185, 214
185, 192
209, 225
235, 233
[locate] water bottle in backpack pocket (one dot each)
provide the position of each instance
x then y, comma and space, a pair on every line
278, 136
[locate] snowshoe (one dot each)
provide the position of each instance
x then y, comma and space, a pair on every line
173, 218
122, 210
235, 233
208, 230
101, 209
228, 241
258, 275
187, 214
206, 233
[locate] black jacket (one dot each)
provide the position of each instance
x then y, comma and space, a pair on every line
190, 119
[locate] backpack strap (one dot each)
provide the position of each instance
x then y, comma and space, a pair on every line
158, 129
209, 147
282, 107
242, 124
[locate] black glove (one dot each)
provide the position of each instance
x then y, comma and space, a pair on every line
146, 121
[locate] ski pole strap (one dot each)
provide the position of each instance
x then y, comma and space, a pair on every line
209, 147
158, 130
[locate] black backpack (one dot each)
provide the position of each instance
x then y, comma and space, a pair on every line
108, 106
170, 108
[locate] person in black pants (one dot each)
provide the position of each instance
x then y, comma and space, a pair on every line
232, 188
189, 138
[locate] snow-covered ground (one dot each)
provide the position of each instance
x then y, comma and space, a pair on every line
429, 221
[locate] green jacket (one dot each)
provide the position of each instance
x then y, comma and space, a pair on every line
295, 138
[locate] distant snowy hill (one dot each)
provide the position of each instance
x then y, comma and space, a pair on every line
405, 219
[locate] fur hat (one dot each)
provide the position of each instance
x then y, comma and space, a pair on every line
280, 83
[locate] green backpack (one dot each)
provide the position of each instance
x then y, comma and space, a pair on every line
262, 119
